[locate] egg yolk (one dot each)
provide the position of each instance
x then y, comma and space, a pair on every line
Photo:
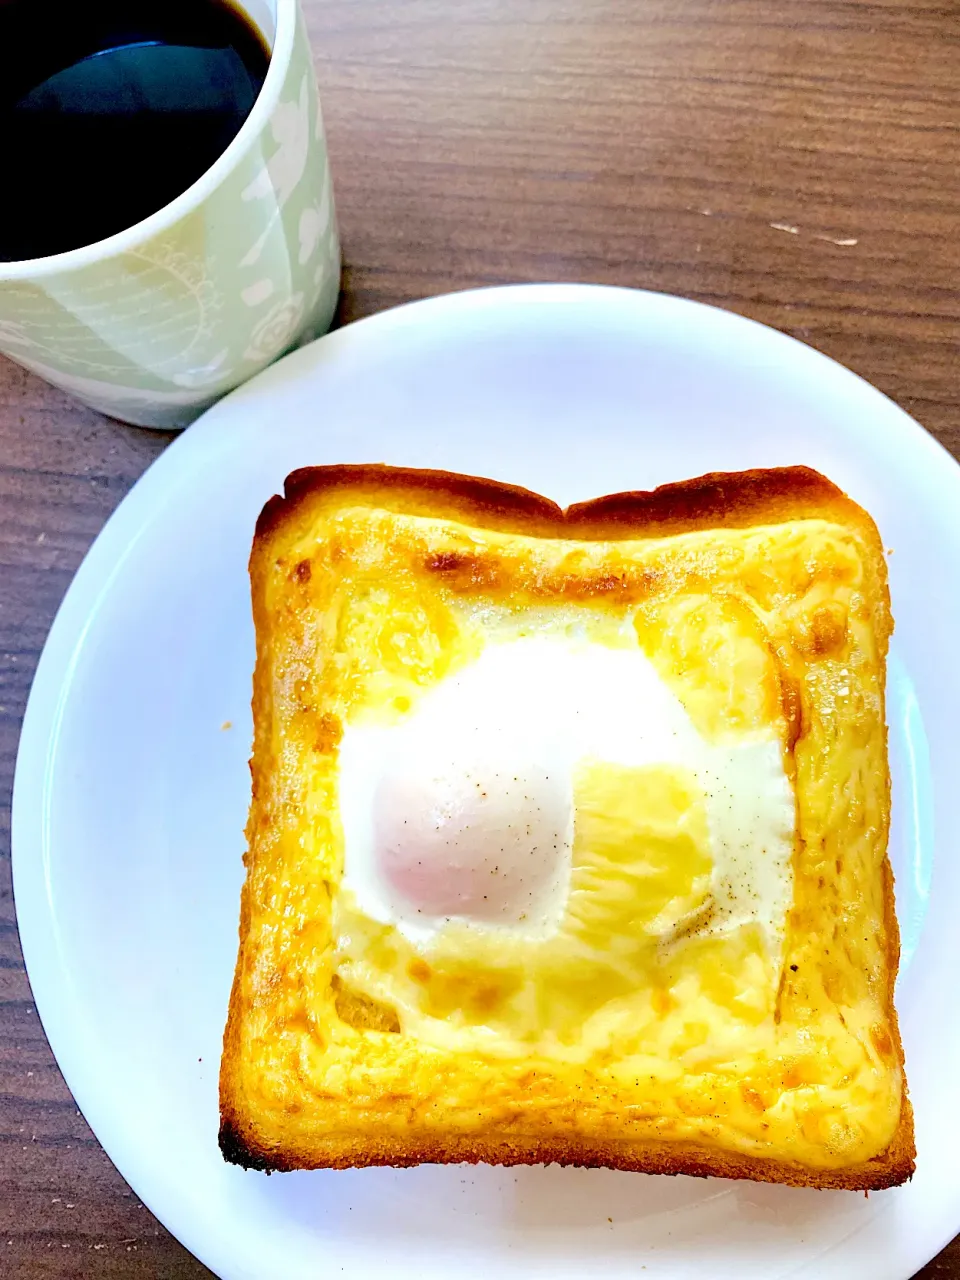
485, 839
641, 861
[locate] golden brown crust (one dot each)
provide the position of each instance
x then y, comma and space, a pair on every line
891, 1170
736, 501
441, 494
732, 500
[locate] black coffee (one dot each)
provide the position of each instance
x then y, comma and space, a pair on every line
110, 109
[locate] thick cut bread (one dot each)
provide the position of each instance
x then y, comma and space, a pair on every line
744, 1049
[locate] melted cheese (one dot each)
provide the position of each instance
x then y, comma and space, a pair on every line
472, 790
770, 632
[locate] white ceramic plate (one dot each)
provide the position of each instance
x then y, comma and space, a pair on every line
131, 796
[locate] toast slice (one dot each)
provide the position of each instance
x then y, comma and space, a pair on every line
699, 993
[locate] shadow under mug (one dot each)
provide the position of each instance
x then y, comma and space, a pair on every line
155, 323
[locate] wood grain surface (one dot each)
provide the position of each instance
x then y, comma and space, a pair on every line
797, 162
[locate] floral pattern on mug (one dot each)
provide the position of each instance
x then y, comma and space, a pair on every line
281, 175
276, 330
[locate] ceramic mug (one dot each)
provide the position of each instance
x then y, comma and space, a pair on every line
154, 324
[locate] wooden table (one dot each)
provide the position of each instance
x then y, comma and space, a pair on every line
797, 162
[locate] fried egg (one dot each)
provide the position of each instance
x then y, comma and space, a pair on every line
556, 784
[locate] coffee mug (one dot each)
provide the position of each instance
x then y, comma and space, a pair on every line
154, 324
